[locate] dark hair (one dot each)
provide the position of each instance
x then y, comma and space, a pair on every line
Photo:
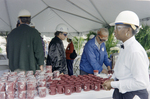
133, 31
70, 39
17, 25
25, 19
57, 33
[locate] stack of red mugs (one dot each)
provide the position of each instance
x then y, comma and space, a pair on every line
27, 86
72, 84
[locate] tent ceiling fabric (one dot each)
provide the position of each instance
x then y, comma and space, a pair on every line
80, 16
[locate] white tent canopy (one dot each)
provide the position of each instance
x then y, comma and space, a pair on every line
81, 16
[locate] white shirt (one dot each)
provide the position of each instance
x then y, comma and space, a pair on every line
96, 43
131, 68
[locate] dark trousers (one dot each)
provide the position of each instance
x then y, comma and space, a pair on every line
143, 94
83, 72
70, 66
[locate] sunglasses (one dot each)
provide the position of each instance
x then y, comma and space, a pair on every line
119, 27
65, 34
102, 40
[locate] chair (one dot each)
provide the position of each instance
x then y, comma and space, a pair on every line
76, 67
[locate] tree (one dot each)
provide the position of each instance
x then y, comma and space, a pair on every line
111, 42
143, 37
89, 34
78, 44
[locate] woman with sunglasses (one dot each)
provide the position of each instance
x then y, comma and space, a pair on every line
56, 52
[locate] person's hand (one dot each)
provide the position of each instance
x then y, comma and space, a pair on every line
41, 67
110, 72
107, 84
108, 67
104, 71
62, 74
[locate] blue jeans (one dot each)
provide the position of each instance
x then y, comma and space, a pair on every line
70, 66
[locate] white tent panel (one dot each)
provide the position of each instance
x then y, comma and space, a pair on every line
79, 15
14, 6
66, 6
47, 21
4, 26
4, 21
79, 24
90, 8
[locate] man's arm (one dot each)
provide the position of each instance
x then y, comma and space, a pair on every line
91, 57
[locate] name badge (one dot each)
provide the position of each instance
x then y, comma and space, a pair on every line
103, 49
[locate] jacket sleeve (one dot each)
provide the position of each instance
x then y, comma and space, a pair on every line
106, 61
38, 49
55, 59
71, 48
91, 57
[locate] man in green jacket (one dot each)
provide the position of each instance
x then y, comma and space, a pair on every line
24, 46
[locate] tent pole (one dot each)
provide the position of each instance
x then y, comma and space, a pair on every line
40, 12
64, 20
8, 14
4, 21
78, 42
98, 11
84, 10
60, 16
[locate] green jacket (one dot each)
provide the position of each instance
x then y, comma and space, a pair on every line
24, 48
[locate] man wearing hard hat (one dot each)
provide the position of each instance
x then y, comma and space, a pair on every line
56, 52
95, 54
69, 50
131, 77
24, 46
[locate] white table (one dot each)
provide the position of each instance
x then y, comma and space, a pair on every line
102, 94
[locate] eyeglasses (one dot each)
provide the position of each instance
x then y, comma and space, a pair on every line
102, 40
65, 34
119, 27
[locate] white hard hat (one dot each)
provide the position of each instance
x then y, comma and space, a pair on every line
127, 17
24, 13
62, 27
70, 36
32, 24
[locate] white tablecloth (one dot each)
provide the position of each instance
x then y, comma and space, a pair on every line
102, 94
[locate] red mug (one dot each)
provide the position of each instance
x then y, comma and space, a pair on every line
21, 86
10, 86
86, 87
73, 87
2, 86
31, 85
10, 95
30, 94
52, 90
60, 89
78, 88
97, 86
42, 83
42, 92
68, 90
22, 95
92, 87
3, 95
